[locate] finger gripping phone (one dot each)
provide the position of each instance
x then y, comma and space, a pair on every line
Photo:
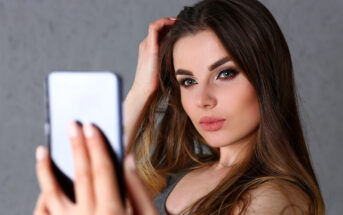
93, 97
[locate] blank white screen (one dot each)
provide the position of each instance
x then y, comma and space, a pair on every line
87, 97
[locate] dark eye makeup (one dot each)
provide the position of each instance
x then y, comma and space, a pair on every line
223, 74
186, 82
227, 74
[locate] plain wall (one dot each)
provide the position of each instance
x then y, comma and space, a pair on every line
38, 36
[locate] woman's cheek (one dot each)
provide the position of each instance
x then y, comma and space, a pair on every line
249, 108
188, 105
186, 101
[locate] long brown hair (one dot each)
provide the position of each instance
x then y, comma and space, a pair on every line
167, 141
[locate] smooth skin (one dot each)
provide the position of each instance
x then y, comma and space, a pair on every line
95, 182
221, 91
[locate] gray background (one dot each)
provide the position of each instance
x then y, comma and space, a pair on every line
38, 36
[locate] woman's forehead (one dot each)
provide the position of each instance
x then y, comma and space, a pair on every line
201, 49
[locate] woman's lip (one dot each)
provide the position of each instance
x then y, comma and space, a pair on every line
210, 119
211, 123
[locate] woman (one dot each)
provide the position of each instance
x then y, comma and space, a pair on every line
212, 119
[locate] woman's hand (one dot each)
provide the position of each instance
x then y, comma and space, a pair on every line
146, 78
95, 185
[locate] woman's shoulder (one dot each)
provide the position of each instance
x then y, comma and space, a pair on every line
278, 197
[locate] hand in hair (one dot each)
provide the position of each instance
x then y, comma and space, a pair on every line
95, 185
146, 78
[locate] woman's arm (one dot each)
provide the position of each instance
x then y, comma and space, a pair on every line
95, 181
146, 80
134, 107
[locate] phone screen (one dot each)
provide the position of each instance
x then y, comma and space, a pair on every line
93, 97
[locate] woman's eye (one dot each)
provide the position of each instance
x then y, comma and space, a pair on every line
227, 74
187, 82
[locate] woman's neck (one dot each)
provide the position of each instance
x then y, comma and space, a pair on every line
235, 153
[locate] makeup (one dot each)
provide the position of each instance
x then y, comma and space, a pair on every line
211, 123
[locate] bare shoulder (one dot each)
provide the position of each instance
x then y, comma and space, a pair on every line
278, 197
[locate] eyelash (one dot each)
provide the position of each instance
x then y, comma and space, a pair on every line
231, 73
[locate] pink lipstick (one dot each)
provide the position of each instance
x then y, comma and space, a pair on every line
211, 123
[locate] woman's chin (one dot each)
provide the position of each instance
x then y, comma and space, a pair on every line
217, 141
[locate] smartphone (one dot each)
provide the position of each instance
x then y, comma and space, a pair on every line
93, 97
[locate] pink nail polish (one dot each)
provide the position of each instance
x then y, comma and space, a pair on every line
88, 129
41, 153
73, 130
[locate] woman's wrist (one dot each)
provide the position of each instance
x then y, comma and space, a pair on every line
143, 91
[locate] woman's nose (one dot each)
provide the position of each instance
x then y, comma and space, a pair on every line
205, 98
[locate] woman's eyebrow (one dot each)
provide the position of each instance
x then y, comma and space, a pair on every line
218, 63
212, 67
183, 72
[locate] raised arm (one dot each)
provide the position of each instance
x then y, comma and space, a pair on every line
146, 80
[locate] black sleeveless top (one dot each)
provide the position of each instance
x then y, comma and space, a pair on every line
160, 200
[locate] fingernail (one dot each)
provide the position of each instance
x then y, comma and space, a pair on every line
131, 163
73, 129
41, 153
172, 18
88, 129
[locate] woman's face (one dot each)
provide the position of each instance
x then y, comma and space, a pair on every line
215, 93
